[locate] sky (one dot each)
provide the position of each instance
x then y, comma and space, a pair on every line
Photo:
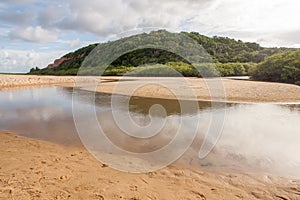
33, 33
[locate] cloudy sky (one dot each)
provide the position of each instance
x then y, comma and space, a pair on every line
34, 33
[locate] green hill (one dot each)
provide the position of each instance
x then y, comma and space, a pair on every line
232, 57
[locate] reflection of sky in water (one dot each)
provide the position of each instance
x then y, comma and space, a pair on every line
260, 136
32, 97
40, 104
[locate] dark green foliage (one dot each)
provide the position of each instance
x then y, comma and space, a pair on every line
282, 67
147, 56
32, 70
82, 51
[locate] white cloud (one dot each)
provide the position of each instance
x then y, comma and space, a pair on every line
23, 60
33, 34
104, 18
17, 2
17, 18
75, 43
50, 15
253, 20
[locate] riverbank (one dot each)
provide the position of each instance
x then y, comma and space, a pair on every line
203, 89
38, 169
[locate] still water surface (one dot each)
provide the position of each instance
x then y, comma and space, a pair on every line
262, 137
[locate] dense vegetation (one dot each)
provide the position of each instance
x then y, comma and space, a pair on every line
230, 57
282, 67
197, 70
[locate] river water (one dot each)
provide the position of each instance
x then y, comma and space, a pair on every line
263, 137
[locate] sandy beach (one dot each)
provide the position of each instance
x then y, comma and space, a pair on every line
234, 90
34, 169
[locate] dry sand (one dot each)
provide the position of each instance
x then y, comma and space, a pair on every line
32, 169
9, 82
235, 90
203, 89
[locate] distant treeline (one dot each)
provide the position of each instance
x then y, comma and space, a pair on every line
231, 58
168, 69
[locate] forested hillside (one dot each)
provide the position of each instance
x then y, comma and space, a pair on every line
232, 57
224, 49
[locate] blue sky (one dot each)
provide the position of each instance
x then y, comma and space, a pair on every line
34, 33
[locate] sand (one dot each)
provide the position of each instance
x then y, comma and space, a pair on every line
9, 82
33, 169
234, 90
203, 89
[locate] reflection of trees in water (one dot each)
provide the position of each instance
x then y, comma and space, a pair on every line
292, 107
142, 105
250, 137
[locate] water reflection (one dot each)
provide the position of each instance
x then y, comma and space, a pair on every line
41, 113
255, 136
142, 105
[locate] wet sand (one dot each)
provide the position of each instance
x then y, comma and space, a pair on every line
33, 169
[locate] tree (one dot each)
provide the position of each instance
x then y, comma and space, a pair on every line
282, 67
